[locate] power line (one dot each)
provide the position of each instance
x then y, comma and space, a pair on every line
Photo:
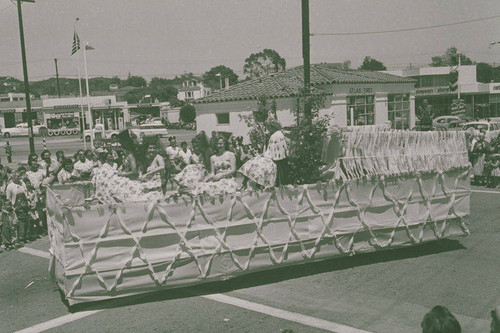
400, 30
2, 9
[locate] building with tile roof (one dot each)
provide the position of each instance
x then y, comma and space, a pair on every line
351, 96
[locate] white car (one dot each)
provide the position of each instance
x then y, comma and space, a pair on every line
150, 129
445, 121
22, 130
492, 129
100, 131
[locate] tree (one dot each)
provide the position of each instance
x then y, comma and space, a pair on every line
484, 72
371, 64
187, 113
136, 81
158, 83
263, 63
450, 58
261, 123
212, 81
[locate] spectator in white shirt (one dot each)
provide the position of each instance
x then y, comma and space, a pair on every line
173, 155
83, 167
65, 175
48, 164
185, 153
35, 173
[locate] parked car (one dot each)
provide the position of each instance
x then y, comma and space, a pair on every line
445, 121
492, 129
150, 129
22, 130
100, 131
455, 126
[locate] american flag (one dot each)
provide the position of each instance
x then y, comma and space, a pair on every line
76, 43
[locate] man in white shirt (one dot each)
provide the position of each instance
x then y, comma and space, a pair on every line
35, 173
185, 153
172, 152
83, 167
48, 164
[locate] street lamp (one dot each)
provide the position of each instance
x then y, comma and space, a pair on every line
27, 96
220, 79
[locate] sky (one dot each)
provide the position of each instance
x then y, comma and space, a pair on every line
165, 38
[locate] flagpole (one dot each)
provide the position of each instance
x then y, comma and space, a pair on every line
88, 97
82, 114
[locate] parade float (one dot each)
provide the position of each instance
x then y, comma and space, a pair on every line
387, 189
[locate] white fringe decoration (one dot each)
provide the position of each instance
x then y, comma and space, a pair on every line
373, 150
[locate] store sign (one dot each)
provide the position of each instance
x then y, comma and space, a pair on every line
66, 106
433, 91
62, 115
360, 91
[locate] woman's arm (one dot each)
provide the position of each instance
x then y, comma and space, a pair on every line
133, 167
229, 173
211, 175
161, 166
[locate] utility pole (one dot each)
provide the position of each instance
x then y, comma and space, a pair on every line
57, 79
306, 56
27, 96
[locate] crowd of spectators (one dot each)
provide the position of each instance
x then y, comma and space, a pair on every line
22, 189
485, 159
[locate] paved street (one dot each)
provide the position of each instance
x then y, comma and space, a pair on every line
70, 144
380, 292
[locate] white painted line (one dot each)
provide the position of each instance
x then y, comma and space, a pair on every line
278, 313
56, 322
35, 252
283, 314
485, 191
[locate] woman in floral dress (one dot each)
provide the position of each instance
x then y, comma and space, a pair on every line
112, 188
220, 180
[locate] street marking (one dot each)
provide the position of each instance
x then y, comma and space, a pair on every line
485, 191
56, 322
256, 307
283, 314
35, 252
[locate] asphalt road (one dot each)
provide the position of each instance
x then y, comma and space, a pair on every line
387, 291
70, 144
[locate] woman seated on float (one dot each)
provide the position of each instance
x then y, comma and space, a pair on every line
153, 169
110, 187
193, 178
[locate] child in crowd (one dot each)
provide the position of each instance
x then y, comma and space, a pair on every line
8, 224
66, 173
33, 222
22, 212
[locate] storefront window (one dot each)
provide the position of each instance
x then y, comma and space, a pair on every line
495, 105
399, 111
363, 108
441, 104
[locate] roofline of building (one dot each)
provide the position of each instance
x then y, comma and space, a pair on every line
293, 94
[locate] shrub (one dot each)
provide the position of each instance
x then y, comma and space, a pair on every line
187, 113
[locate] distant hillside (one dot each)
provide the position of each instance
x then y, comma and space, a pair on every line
161, 89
